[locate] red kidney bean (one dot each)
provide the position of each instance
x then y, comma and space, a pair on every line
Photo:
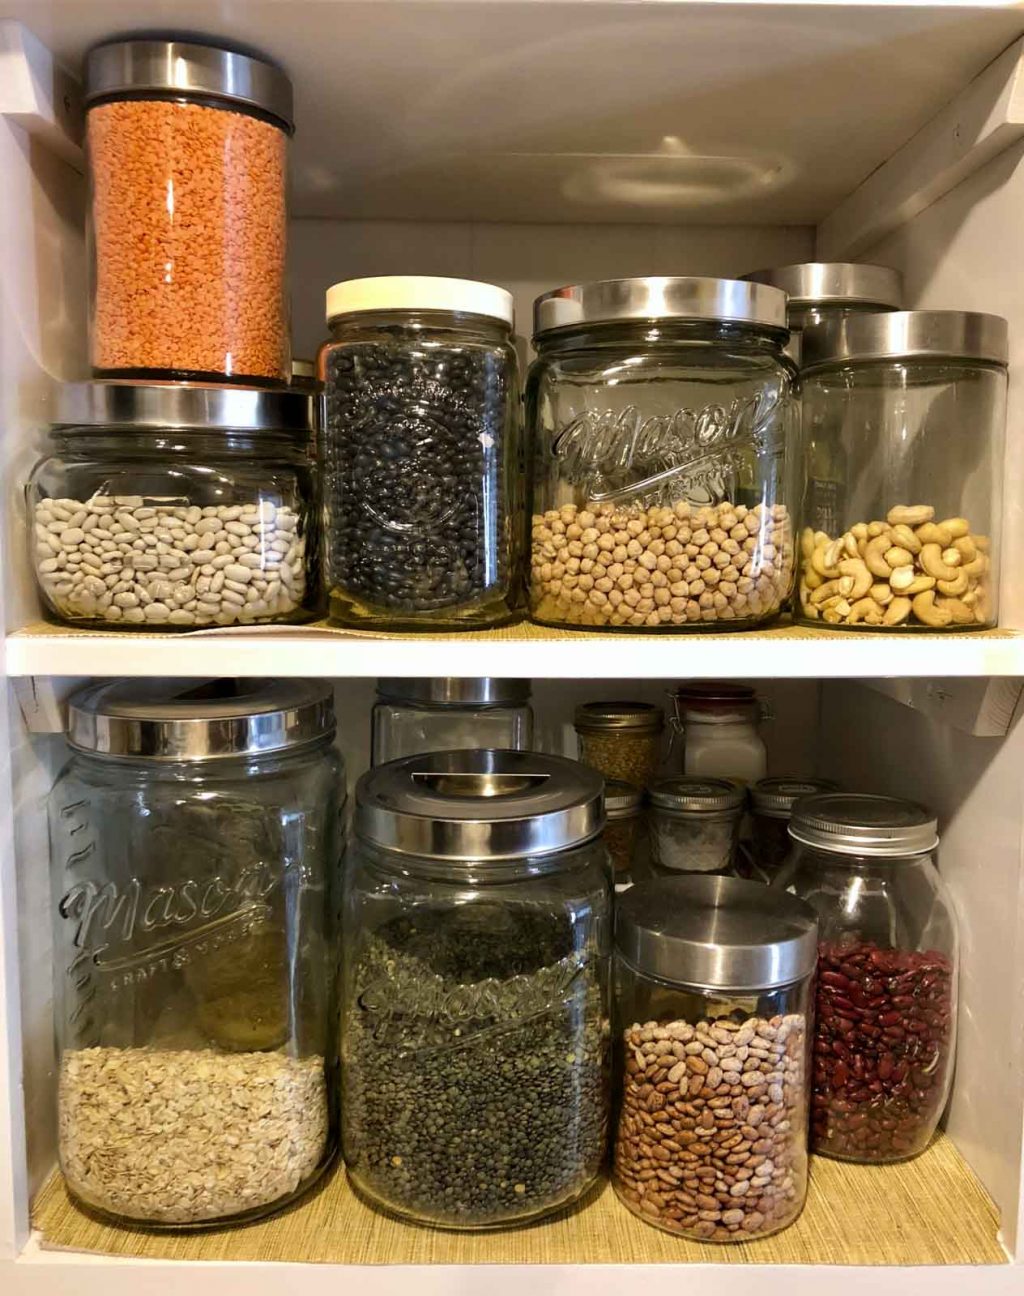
883, 1050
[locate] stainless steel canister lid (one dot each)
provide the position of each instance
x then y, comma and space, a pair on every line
479, 805
440, 691
678, 298
621, 799
198, 720
691, 795
834, 283
716, 933
853, 823
619, 717
189, 68
907, 335
776, 797
196, 407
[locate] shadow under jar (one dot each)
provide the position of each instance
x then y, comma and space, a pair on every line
475, 987
713, 1015
913, 404
421, 454
175, 507
661, 417
195, 844
885, 1021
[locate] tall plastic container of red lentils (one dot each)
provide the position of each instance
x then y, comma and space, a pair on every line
187, 146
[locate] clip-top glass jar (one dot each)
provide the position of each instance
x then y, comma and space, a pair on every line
694, 824
885, 1023
188, 150
175, 507
421, 452
475, 1029
661, 414
447, 714
713, 1018
718, 723
915, 404
195, 846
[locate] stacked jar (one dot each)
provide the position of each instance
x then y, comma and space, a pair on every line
661, 415
622, 740
713, 1017
447, 714
175, 507
885, 1022
914, 404
194, 840
421, 454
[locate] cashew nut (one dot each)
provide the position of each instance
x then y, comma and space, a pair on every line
966, 548
956, 526
842, 607
905, 538
897, 612
919, 584
910, 514
982, 542
874, 557
859, 531
902, 578
930, 533
868, 611
856, 570
952, 557
876, 529
959, 611
928, 613
978, 567
832, 617
819, 564
897, 557
834, 552
811, 578
840, 587
806, 542
882, 594
955, 587
930, 559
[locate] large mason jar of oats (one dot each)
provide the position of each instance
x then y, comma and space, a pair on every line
662, 418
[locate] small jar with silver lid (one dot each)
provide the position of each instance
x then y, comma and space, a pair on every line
713, 1017
174, 507
771, 806
623, 740
446, 714
913, 403
661, 413
474, 1003
195, 844
623, 831
694, 824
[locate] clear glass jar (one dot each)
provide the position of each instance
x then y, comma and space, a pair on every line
174, 508
623, 829
694, 824
914, 402
661, 415
713, 1017
885, 1022
475, 987
443, 714
421, 454
195, 843
771, 804
718, 724
623, 740
187, 147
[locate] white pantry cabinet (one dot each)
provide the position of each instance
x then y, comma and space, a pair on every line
534, 143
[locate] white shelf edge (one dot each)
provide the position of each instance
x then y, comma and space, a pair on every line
983, 120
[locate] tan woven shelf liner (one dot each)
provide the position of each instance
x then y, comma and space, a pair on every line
924, 1212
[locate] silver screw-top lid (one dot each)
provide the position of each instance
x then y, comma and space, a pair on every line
621, 799
730, 301
199, 720
479, 805
716, 933
196, 407
855, 823
631, 717
834, 283
691, 795
907, 335
776, 797
439, 691
192, 69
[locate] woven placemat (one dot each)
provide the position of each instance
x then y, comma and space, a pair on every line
928, 1211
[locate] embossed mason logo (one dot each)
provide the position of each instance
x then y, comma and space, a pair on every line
613, 454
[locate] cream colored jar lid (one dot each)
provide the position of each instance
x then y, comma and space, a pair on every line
419, 292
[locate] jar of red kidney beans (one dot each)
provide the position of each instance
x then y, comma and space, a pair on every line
885, 1015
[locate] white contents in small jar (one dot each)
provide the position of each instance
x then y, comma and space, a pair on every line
694, 824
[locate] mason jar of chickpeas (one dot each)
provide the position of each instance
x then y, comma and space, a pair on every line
661, 413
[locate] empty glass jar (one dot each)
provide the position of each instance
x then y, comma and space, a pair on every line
885, 1020
195, 844
445, 714
712, 1015
421, 454
475, 1009
661, 416
913, 404
694, 824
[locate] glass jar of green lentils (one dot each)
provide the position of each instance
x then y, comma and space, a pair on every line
622, 740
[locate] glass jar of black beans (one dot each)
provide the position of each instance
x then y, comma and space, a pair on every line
421, 455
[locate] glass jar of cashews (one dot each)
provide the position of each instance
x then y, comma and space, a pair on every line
914, 403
